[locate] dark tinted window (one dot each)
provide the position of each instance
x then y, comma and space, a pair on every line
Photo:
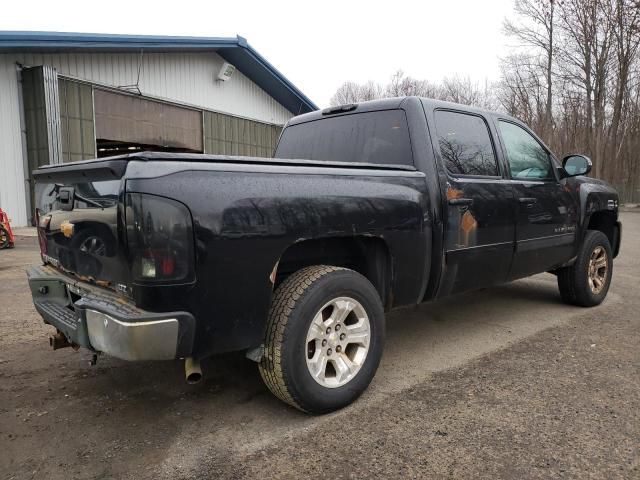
465, 144
372, 137
527, 159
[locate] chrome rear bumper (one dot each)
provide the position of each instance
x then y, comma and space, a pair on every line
143, 340
102, 321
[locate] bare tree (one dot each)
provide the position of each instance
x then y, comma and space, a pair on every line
574, 76
587, 28
401, 85
348, 92
581, 61
463, 90
370, 91
520, 91
626, 43
454, 89
535, 31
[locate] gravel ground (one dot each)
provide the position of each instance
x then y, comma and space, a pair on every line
503, 383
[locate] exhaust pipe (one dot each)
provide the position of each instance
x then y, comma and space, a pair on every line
192, 370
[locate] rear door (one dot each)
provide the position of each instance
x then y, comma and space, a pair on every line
545, 209
479, 216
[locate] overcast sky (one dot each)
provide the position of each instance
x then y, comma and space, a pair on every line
317, 45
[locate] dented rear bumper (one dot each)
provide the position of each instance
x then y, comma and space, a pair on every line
102, 321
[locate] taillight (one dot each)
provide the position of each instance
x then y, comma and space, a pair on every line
160, 239
42, 227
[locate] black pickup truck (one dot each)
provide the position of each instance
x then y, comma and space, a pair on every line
295, 259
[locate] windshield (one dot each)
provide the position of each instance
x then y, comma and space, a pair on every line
372, 137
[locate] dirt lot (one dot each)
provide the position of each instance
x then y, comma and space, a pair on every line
507, 382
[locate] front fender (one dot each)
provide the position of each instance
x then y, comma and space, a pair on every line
597, 198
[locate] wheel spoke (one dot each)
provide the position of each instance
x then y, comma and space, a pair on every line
318, 365
601, 262
341, 310
358, 333
597, 273
316, 330
597, 282
344, 366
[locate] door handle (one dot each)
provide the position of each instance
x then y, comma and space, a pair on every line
460, 201
528, 200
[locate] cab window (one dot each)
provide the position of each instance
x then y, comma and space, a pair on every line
371, 137
528, 160
465, 144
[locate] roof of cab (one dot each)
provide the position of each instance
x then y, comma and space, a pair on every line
394, 103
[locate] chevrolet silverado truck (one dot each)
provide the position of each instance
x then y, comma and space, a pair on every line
295, 259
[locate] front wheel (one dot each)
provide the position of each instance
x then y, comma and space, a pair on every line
324, 338
586, 282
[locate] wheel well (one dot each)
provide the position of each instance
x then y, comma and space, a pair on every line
606, 223
368, 256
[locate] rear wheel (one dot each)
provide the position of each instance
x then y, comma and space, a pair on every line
324, 338
586, 282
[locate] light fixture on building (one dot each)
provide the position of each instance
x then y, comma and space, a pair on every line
226, 72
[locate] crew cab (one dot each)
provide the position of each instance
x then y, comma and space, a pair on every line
295, 259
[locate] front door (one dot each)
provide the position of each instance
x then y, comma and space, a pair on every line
479, 230
545, 210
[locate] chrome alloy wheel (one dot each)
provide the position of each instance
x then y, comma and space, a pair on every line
598, 268
338, 342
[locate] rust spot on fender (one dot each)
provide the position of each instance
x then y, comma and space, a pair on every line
468, 226
454, 193
468, 222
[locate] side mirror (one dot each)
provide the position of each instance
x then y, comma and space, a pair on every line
66, 198
576, 165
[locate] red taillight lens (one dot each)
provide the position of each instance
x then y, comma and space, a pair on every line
160, 239
157, 264
167, 266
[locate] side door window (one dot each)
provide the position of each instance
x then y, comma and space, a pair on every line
465, 144
528, 160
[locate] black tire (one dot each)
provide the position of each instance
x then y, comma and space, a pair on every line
4, 238
573, 281
296, 302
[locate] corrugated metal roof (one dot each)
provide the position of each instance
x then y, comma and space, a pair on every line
235, 50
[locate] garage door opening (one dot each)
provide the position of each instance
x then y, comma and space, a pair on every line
128, 124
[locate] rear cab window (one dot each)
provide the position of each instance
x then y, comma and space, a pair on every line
380, 137
465, 144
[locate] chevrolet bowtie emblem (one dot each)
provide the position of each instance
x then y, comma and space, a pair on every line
66, 228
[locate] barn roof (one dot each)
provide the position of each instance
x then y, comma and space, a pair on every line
235, 50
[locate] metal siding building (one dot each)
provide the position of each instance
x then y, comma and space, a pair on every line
65, 97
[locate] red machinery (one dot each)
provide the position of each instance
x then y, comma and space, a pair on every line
6, 234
